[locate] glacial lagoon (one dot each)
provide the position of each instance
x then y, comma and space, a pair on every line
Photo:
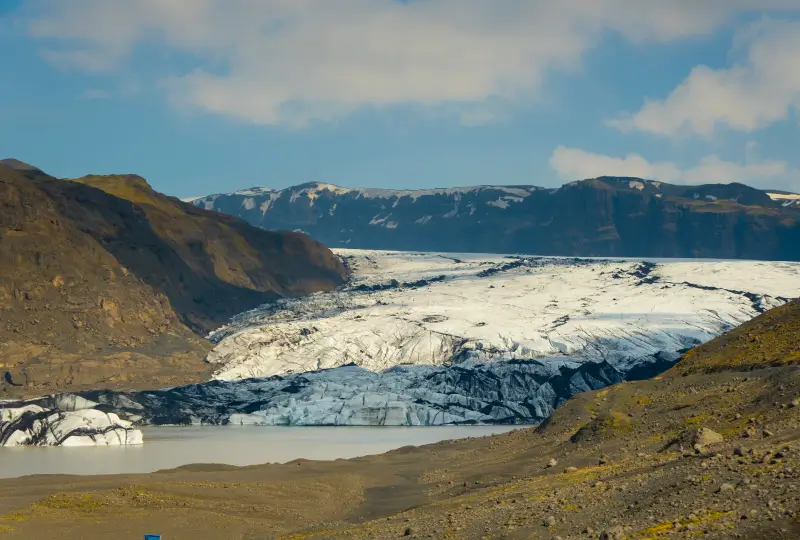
170, 447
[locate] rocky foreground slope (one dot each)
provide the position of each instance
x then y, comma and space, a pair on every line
107, 283
711, 449
606, 216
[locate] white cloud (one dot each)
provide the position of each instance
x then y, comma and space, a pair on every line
574, 164
295, 61
761, 90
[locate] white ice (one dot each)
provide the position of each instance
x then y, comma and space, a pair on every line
544, 308
86, 427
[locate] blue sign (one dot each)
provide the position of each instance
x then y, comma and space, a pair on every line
152, 537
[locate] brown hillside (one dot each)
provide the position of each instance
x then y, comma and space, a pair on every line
103, 287
211, 266
772, 339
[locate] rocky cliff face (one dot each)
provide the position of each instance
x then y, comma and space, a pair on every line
107, 283
598, 217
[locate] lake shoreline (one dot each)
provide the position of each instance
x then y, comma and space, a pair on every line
170, 447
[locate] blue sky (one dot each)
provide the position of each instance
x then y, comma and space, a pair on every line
208, 96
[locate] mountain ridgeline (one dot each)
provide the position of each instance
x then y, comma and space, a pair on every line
606, 216
108, 283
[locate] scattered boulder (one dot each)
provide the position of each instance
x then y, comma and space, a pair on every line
552, 463
725, 488
706, 437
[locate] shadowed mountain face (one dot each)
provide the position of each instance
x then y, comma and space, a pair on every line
606, 216
107, 283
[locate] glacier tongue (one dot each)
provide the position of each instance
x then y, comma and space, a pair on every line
431, 339
433, 309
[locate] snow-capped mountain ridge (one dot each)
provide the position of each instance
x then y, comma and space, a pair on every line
604, 216
311, 191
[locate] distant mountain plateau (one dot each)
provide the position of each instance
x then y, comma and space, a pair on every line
606, 216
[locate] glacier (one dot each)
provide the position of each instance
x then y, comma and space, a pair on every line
434, 339
417, 339
434, 309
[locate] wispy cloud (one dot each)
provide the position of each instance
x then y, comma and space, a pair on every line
296, 61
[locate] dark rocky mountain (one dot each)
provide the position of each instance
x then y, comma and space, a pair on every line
107, 283
607, 216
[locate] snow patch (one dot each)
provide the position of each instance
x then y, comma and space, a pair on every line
787, 200
377, 220
505, 201
208, 202
784, 196
268, 202
636, 185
